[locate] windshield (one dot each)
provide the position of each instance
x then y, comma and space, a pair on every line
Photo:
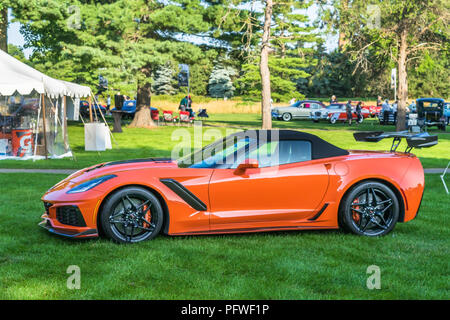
217, 154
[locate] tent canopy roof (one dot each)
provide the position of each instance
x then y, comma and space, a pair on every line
17, 76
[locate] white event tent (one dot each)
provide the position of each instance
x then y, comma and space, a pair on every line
33, 111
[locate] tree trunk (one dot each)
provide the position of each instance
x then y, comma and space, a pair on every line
402, 93
142, 117
264, 69
4, 29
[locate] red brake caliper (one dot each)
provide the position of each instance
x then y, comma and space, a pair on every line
147, 217
355, 215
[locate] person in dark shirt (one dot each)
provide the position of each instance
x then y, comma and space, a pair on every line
184, 103
359, 112
379, 101
118, 101
348, 109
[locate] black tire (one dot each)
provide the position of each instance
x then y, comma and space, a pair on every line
286, 116
375, 218
142, 220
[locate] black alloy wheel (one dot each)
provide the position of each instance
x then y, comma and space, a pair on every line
131, 214
370, 209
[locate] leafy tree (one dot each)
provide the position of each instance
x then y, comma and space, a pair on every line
397, 30
289, 57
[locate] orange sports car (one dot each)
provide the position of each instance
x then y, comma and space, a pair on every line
256, 180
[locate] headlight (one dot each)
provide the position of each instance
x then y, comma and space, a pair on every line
85, 186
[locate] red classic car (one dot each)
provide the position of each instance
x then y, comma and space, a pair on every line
373, 110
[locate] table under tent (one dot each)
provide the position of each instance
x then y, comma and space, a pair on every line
33, 111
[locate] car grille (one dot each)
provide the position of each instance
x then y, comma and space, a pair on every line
70, 215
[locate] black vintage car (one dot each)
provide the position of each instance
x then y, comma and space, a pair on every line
430, 112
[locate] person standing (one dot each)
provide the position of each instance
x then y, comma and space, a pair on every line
379, 101
348, 109
359, 112
118, 101
394, 110
292, 101
108, 102
385, 109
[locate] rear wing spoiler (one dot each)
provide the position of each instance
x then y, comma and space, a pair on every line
414, 140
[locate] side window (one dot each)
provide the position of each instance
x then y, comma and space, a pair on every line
276, 153
306, 105
291, 151
314, 106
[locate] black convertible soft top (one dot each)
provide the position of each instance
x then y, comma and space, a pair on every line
320, 148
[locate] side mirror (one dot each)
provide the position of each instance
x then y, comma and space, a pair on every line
247, 164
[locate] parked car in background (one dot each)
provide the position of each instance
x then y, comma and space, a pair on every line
374, 111
299, 110
336, 112
129, 109
430, 112
96, 108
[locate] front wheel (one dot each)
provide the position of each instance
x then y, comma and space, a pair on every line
287, 117
131, 214
370, 209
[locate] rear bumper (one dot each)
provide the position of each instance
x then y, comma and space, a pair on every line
71, 232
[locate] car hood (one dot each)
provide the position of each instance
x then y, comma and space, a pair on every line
113, 167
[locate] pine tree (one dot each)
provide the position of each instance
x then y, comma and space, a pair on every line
164, 81
220, 83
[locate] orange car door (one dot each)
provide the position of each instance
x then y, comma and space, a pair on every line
273, 195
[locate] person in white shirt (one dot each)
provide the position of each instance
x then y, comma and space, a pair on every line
386, 109
394, 110
292, 101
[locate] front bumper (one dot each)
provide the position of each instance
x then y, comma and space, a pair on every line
67, 231
275, 115
79, 224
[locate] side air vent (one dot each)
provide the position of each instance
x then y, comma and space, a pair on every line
184, 194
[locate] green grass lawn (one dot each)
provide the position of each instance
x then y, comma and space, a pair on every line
144, 143
282, 265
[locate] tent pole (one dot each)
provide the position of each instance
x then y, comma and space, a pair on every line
37, 130
66, 145
45, 125
90, 109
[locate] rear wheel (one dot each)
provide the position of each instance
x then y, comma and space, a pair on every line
370, 209
333, 120
131, 214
